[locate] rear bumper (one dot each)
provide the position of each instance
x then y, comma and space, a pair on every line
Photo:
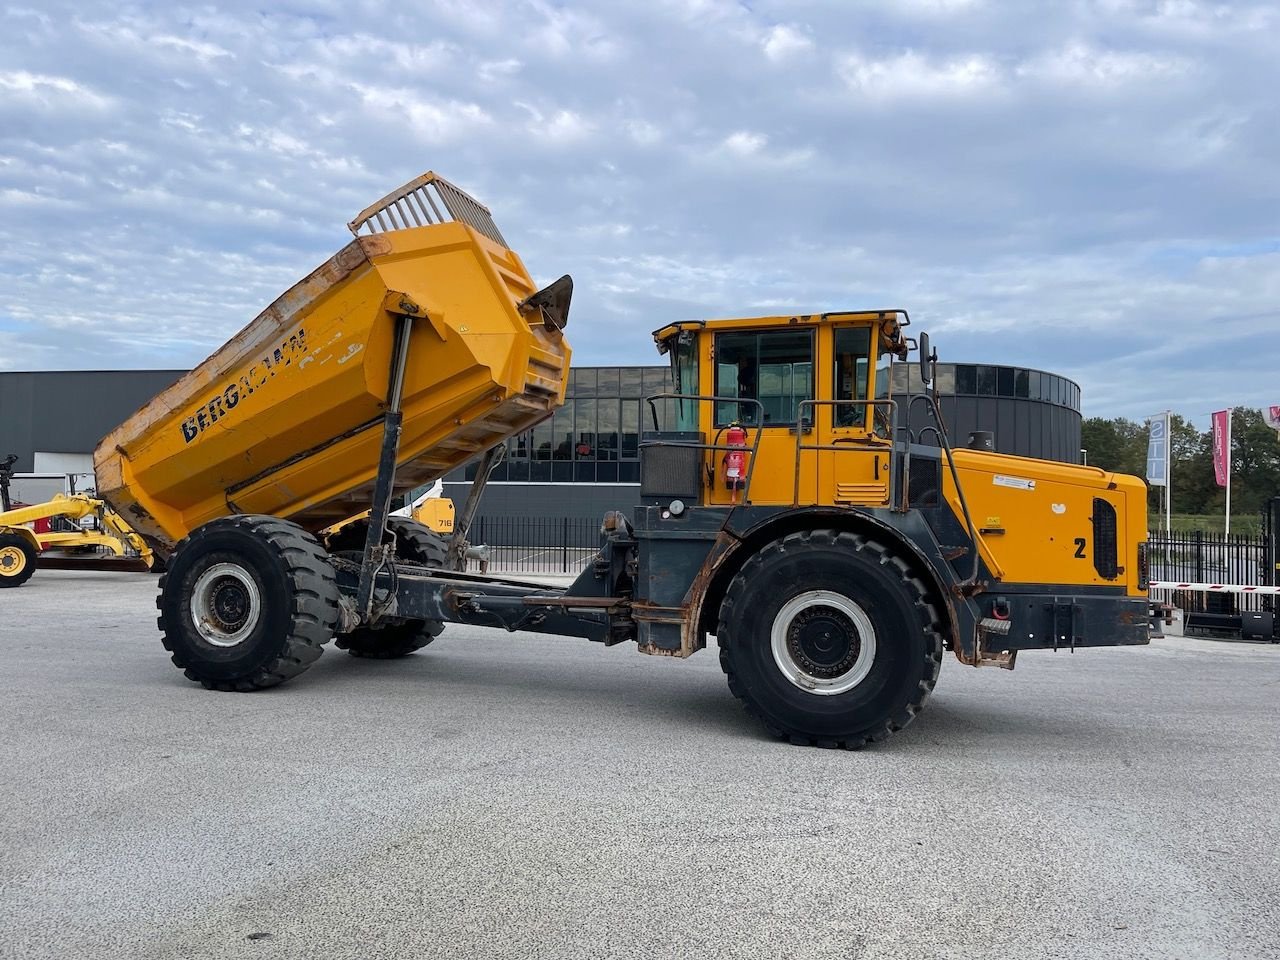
1055, 621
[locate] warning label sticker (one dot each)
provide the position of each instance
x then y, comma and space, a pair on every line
1017, 483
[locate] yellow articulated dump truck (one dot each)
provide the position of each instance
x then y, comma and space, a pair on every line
832, 554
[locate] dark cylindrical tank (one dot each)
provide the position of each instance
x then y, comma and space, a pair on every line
982, 440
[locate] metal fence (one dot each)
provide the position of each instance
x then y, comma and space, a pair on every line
1195, 556
537, 544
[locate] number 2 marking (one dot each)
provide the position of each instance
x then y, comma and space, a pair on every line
1079, 542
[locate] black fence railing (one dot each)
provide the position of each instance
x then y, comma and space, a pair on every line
565, 545
1195, 556
537, 544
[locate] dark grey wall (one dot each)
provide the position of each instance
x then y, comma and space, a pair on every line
1025, 428
70, 411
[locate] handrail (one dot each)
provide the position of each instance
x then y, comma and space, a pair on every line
710, 398
955, 479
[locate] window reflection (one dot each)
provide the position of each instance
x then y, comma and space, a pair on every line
1004, 381
986, 381
775, 368
852, 374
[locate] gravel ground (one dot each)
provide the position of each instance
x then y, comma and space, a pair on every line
517, 796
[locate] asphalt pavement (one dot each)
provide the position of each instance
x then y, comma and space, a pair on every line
504, 795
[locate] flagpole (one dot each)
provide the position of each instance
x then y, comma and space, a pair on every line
1227, 458
1168, 471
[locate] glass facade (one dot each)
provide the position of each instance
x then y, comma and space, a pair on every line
989, 380
595, 436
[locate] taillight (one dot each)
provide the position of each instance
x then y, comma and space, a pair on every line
1143, 578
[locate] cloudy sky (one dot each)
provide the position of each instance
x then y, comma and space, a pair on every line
1090, 187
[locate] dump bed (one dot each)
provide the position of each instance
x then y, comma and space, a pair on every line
285, 418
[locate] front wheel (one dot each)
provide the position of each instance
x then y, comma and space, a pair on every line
830, 639
247, 602
17, 560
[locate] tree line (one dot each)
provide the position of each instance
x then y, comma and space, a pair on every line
1121, 445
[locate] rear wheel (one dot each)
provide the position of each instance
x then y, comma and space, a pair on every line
414, 543
247, 602
829, 639
17, 560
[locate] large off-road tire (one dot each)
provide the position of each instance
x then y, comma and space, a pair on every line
17, 560
247, 602
830, 639
414, 543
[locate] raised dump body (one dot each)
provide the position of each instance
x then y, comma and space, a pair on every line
286, 418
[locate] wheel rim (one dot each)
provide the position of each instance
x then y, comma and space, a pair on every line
12, 561
823, 642
225, 604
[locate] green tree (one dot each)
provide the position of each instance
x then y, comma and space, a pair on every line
1191, 472
1118, 445
1255, 461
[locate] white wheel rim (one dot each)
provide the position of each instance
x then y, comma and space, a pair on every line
226, 604
823, 642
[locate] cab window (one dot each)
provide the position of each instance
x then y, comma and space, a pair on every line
852, 374
775, 368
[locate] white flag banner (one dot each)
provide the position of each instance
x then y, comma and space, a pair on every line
1158, 450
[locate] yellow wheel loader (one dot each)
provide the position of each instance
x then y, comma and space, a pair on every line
831, 554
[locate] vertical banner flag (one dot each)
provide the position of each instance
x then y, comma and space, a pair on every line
1158, 450
1222, 447
1273, 417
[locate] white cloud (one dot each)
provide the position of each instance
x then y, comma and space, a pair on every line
566, 127
912, 75
784, 41
1038, 179
937, 8
422, 118
643, 132
497, 69
744, 143
51, 90
197, 48
1081, 64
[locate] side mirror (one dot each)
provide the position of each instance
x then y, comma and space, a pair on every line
926, 373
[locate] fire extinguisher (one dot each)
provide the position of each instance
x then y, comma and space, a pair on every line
735, 460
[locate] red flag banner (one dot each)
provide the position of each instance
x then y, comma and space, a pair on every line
1273, 417
1222, 446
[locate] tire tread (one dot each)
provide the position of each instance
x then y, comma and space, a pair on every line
313, 609
925, 609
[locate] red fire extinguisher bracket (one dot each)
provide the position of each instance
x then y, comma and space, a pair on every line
734, 463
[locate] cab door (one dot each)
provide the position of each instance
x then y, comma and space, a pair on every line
771, 373
853, 467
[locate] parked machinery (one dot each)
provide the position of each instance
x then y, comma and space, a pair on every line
21, 545
833, 558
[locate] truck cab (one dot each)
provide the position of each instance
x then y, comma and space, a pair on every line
811, 394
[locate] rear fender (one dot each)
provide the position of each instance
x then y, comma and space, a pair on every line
23, 532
